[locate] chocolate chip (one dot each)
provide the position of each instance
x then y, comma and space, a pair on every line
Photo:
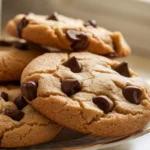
73, 64
21, 45
22, 24
79, 39
71, 86
54, 16
111, 55
20, 102
15, 114
4, 95
132, 94
29, 90
5, 43
104, 103
123, 69
91, 23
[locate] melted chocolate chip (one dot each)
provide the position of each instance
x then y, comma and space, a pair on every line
91, 23
4, 95
5, 43
123, 69
15, 114
132, 94
22, 24
20, 102
73, 64
104, 103
71, 86
54, 16
21, 45
29, 90
79, 39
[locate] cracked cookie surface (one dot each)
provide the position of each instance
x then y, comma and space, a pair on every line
20, 124
88, 93
14, 56
68, 34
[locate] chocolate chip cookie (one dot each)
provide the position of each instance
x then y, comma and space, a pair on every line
88, 93
14, 56
68, 34
20, 124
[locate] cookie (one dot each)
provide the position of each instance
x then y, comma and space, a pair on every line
20, 124
68, 34
88, 93
14, 56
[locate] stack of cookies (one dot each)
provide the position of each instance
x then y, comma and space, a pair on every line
75, 86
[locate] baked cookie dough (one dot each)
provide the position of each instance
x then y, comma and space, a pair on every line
20, 124
14, 56
88, 93
69, 34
